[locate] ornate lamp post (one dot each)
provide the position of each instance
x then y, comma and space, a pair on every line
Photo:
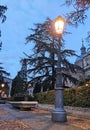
58, 112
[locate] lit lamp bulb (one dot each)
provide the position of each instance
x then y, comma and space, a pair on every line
86, 84
29, 85
2, 85
59, 25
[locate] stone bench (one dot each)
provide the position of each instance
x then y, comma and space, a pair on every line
24, 104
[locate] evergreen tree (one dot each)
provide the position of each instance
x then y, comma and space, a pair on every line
42, 64
3, 73
3, 18
79, 13
18, 85
2, 12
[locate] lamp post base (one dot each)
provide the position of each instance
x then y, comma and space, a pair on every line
59, 115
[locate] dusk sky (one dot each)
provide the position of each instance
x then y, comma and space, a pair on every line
21, 15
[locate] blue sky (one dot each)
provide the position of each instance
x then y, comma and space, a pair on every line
21, 15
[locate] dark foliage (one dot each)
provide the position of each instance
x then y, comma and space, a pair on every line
2, 13
3, 18
3, 74
18, 86
77, 97
78, 15
43, 62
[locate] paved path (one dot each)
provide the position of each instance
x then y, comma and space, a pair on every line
38, 119
74, 111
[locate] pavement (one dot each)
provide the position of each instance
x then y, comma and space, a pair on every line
40, 118
74, 111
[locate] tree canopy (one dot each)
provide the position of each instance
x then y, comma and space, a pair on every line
43, 62
3, 73
18, 85
80, 8
79, 14
2, 17
2, 13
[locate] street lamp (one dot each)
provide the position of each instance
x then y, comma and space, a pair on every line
2, 85
58, 112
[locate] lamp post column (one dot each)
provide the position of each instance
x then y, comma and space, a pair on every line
58, 112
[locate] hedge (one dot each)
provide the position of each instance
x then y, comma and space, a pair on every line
22, 97
79, 97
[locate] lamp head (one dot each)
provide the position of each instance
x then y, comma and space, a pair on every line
59, 25
2, 85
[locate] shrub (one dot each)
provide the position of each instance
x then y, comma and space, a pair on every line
79, 97
22, 97
45, 97
69, 96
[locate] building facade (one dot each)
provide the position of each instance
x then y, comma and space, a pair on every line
84, 62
